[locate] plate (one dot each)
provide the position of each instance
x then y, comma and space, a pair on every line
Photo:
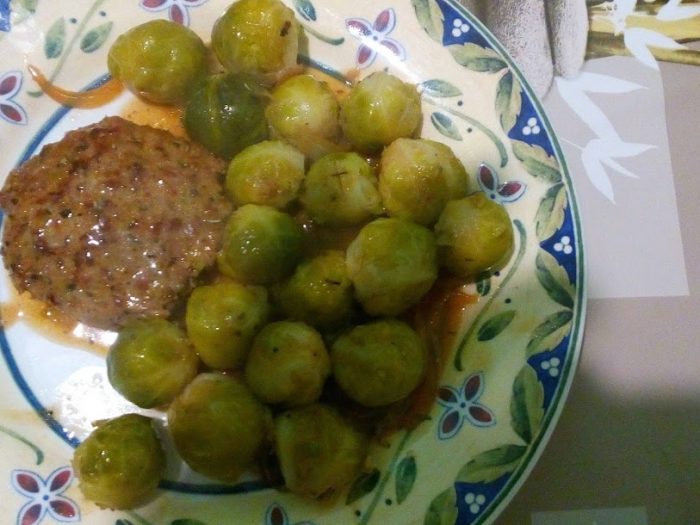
513, 359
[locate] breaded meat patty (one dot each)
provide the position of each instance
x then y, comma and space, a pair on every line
114, 222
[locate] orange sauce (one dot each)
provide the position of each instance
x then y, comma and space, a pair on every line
53, 325
168, 118
92, 98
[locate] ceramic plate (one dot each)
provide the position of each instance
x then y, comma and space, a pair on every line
509, 369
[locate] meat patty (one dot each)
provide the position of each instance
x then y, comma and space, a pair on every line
114, 222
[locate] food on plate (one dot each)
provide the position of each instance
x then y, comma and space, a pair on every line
151, 362
121, 463
218, 426
269, 173
320, 451
262, 245
161, 61
288, 364
319, 292
304, 111
114, 222
379, 109
231, 266
257, 37
379, 363
417, 177
222, 318
340, 189
226, 113
474, 235
392, 263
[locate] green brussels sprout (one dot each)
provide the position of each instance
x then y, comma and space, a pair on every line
121, 463
269, 173
288, 364
160, 61
261, 245
319, 292
474, 235
319, 451
379, 363
304, 112
226, 114
417, 177
340, 189
378, 110
218, 426
258, 37
222, 319
392, 263
150, 362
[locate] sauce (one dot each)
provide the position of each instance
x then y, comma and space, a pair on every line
92, 98
54, 325
168, 118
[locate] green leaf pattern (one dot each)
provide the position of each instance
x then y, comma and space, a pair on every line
508, 100
406, 472
550, 333
55, 39
537, 162
430, 17
94, 38
439, 88
363, 485
477, 58
527, 404
445, 126
554, 279
492, 464
551, 212
495, 325
443, 509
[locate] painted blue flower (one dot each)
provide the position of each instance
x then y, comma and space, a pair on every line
490, 184
462, 404
45, 497
374, 37
178, 10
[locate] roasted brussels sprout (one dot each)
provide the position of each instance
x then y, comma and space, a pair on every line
417, 177
226, 114
379, 363
151, 362
378, 110
258, 37
288, 364
304, 112
319, 451
319, 292
222, 319
340, 189
160, 61
121, 463
269, 173
261, 245
218, 426
392, 263
474, 235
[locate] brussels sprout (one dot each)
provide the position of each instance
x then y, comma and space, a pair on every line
259, 37
269, 173
474, 235
379, 363
218, 426
417, 177
160, 61
392, 263
261, 245
151, 362
341, 190
319, 451
378, 110
319, 292
121, 463
226, 114
304, 112
222, 319
288, 364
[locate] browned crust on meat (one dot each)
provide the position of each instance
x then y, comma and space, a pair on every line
113, 222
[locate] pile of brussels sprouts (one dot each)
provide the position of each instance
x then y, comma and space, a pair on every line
344, 221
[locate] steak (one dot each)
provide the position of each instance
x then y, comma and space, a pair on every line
113, 222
